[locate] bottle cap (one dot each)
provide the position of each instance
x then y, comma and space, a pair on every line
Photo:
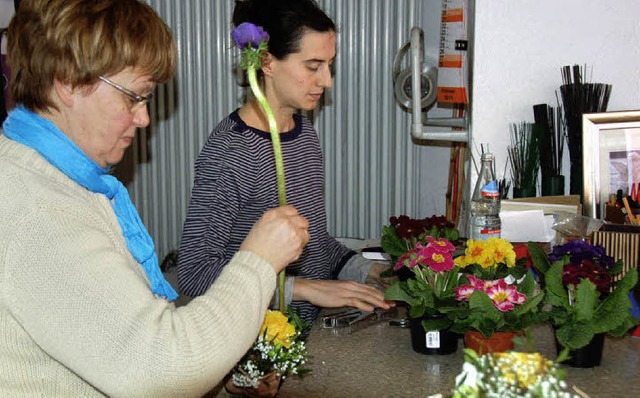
490, 190
487, 156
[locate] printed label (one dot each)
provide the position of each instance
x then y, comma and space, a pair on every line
480, 233
433, 339
457, 95
453, 61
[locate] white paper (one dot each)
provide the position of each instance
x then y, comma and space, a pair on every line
526, 225
374, 256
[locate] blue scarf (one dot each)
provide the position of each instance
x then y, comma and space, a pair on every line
38, 133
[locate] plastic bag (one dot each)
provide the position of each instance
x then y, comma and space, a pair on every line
574, 226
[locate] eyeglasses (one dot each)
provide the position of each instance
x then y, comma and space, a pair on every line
137, 100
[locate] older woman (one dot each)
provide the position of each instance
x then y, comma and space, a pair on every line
84, 309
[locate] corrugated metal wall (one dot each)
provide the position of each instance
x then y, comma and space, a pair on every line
370, 162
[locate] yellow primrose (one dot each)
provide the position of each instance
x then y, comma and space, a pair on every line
476, 251
487, 254
487, 261
502, 251
460, 261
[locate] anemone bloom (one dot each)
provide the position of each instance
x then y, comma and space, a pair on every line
248, 34
252, 41
505, 296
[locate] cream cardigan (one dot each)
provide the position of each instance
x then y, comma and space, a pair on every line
77, 316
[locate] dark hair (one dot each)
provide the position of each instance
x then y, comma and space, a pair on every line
76, 41
285, 21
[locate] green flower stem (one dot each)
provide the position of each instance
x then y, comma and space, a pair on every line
277, 150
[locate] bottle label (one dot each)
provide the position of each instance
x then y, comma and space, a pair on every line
490, 233
490, 190
481, 233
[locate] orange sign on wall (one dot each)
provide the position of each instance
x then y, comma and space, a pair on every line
452, 65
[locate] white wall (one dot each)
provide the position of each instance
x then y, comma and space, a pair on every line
6, 12
520, 47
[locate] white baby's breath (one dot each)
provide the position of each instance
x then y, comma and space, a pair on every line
271, 354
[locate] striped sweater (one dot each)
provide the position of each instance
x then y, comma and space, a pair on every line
235, 183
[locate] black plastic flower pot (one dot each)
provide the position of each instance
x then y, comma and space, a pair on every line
588, 356
435, 342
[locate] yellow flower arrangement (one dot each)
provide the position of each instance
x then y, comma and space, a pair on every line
521, 368
277, 329
279, 350
510, 375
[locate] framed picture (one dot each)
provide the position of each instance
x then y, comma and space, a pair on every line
611, 157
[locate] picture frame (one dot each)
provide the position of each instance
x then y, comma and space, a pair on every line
611, 157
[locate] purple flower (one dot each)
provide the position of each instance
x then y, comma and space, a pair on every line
249, 34
579, 251
586, 261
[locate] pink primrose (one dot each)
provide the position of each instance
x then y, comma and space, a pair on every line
477, 283
492, 282
505, 296
464, 292
401, 260
411, 258
436, 260
442, 245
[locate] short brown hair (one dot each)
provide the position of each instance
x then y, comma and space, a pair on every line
76, 41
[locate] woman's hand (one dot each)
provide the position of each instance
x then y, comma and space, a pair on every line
335, 293
278, 237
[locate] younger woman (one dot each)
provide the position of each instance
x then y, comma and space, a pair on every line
235, 174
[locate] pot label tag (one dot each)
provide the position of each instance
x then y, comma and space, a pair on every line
433, 339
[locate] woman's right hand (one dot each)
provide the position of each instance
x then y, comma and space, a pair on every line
340, 293
278, 237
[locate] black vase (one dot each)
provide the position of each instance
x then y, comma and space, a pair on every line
588, 356
435, 342
575, 180
524, 192
553, 186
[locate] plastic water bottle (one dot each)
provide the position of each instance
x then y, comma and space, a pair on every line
485, 203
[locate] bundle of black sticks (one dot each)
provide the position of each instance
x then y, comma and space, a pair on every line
579, 98
552, 140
